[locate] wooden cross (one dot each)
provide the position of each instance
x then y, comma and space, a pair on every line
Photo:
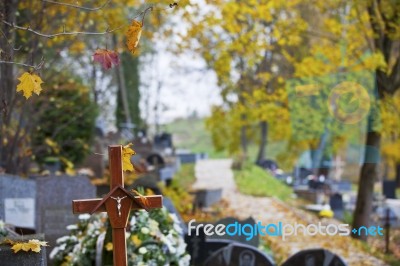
117, 203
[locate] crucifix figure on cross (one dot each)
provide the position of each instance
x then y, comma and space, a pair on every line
117, 203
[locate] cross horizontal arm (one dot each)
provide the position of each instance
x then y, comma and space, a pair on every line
87, 205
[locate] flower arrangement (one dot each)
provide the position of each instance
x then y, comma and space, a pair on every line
153, 238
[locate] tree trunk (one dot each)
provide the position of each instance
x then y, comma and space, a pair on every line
122, 89
7, 83
398, 175
369, 173
263, 142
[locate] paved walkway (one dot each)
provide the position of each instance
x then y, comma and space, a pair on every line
218, 174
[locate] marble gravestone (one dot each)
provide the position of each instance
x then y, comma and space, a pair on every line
17, 201
53, 204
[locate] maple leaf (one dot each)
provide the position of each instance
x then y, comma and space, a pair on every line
33, 244
133, 35
29, 83
106, 58
127, 152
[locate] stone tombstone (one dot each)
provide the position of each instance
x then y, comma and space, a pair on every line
53, 203
389, 189
204, 198
200, 249
237, 254
17, 201
337, 205
343, 186
188, 157
166, 173
155, 160
314, 257
245, 225
9, 258
163, 141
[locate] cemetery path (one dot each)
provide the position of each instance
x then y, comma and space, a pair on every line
217, 173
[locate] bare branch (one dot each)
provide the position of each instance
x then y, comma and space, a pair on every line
78, 7
63, 33
36, 67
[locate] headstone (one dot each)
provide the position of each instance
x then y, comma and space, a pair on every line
201, 249
188, 157
163, 141
204, 198
337, 205
249, 222
156, 160
166, 173
314, 257
341, 186
9, 258
237, 254
389, 189
53, 203
17, 201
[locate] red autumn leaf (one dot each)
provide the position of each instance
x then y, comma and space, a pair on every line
106, 58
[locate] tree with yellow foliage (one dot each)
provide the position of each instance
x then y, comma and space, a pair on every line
36, 35
351, 41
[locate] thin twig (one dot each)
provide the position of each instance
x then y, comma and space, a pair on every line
36, 67
150, 8
78, 7
63, 33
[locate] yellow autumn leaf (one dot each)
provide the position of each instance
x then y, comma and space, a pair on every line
33, 244
29, 83
127, 152
133, 35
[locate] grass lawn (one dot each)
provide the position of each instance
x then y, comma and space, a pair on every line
185, 177
253, 180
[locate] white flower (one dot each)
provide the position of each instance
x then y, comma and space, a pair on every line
85, 216
62, 239
133, 221
142, 250
153, 225
2, 224
145, 230
54, 252
72, 227
184, 261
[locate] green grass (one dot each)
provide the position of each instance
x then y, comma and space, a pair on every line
192, 135
185, 177
253, 180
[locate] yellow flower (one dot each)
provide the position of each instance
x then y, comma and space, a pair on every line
109, 246
135, 239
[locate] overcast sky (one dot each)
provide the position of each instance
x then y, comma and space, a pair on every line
185, 86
